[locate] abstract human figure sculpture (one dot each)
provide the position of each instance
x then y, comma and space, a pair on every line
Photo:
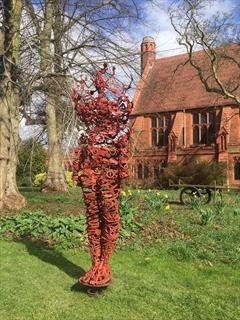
101, 164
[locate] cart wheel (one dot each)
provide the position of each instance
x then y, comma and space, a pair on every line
187, 195
205, 195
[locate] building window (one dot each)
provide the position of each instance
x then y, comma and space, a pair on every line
145, 171
158, 168
237, 169
142, 170
161, 126
139, 171
223, 142
203, 128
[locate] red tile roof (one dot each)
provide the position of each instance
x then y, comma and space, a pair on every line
172, 84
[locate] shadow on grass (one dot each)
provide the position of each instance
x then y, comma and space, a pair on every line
44, 253
39, 250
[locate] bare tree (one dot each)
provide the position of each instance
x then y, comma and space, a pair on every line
218, 36
69, 38
9, 104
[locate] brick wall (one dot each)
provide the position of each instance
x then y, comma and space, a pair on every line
227, 123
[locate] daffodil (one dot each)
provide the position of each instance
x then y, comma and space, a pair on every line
165, 196
123, 193
167, 207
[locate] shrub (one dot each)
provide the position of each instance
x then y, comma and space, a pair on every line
195, 172
40, 178
68, 176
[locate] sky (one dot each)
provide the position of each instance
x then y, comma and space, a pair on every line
158, 23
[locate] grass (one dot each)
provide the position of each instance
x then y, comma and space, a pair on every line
39, 283
174, 268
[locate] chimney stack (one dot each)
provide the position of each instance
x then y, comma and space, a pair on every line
148, 52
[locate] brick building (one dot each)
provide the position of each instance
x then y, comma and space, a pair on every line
175, 119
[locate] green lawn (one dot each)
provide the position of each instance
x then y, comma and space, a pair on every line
175, 267
39, 283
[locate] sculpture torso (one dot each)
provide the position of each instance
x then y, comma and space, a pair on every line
105, 114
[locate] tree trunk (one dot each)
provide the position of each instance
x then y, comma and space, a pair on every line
13, 198
10, 197
9, 108
55, 176
4, 149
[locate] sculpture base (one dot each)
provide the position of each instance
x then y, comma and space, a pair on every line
95, 290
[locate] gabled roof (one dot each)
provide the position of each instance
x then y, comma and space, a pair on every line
173, 84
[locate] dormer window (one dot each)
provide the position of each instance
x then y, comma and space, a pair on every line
204, 128
161, 126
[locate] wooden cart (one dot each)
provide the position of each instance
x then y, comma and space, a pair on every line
204, 192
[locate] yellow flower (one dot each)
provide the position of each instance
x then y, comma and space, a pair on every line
167, 207
129, 192
165, 195
138, 191
123, 193
158, 193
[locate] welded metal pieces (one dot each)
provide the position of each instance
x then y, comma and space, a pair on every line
101, 163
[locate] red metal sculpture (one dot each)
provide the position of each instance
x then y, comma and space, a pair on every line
101, 164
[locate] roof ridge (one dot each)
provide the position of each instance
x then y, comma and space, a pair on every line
197, 52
